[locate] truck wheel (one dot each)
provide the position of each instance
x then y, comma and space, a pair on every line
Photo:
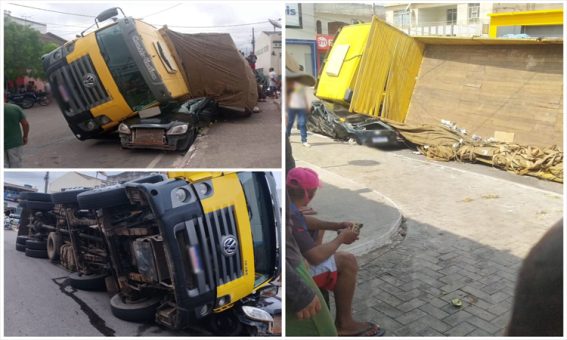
36, 205
36, 245
40, 254
20, 247
66, 197
35, 196
54, 242
106, 197
225, 324
141, 310
22, 239
95, 282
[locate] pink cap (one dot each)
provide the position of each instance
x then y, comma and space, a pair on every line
303, 178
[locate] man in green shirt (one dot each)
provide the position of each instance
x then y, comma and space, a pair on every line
16, 129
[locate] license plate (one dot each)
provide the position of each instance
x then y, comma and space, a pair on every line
379, 139
149, 136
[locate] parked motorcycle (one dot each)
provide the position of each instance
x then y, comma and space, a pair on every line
42, 99
24, 100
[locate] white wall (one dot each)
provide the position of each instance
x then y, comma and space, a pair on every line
72, 180
269, 55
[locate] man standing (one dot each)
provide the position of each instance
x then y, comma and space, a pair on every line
16, 129
273, 82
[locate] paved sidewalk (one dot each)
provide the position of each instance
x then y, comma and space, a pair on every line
352, 202
467, 234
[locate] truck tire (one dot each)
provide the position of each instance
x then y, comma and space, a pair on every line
142, 310
40, 254
36, 245
94, 282
54, 242
225, 324
20, 247
106, 197
35, 196
22, 239
37, 205
66, 197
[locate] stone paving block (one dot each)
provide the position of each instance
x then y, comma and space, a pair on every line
478, 293
499, 309
411, 304
482, 324
448, 288
435, 300
412, 328
481, 313
503, 320
390, 299
480, 332
495, 287
461, 329
433, 311
429, 332
501, 296
386, 321
449, 255
411, 316
435, 323
386, 309
457, 318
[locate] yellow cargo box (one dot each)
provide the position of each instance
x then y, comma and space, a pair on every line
340, 69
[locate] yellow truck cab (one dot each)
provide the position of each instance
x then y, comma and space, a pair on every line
192, 248
106, 76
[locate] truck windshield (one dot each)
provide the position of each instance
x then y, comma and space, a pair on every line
262, 223
123, 68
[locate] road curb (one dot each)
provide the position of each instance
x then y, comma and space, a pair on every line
366, 245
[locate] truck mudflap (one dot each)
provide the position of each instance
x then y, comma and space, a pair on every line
335, 121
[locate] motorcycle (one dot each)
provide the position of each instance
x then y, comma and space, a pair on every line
42, 99
24, 100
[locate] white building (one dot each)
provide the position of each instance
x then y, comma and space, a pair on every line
269, 52
463, 19
41, 28
308, 22
73, 180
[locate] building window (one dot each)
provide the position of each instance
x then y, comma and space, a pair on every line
401, 18
319, 27
451, 16
474, 13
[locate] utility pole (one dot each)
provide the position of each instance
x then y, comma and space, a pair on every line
46, 178
253, 42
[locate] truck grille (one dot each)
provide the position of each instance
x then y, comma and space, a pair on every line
71, 79
221, 223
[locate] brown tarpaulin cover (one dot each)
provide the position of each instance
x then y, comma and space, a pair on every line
214, 68
444, 144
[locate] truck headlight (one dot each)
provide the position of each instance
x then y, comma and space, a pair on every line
178, 130
103, 120
257, 314
123, 128
91, 125
223, 300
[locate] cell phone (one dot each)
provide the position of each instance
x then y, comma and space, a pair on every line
356, 227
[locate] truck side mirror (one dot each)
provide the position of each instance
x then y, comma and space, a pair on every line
105, 15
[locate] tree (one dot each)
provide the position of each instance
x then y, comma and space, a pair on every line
23, 49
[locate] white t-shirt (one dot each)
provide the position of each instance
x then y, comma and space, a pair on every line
272, 76
297, 98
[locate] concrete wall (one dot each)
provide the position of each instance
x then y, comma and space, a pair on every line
268, 52
72, 180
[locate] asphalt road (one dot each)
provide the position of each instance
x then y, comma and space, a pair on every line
38, 302
238, 143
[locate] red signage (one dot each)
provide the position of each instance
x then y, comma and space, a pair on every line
324, 42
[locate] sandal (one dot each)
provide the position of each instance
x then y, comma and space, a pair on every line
371, 330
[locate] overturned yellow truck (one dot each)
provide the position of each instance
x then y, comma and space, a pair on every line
128, 66
494, 97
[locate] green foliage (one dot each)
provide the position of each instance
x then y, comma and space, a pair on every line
23, 49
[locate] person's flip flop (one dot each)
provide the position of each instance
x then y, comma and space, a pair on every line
371, 330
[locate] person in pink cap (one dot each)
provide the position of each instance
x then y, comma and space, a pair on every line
331, 270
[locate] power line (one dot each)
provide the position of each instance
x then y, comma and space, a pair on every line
54, 11
167, 9
219, 26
